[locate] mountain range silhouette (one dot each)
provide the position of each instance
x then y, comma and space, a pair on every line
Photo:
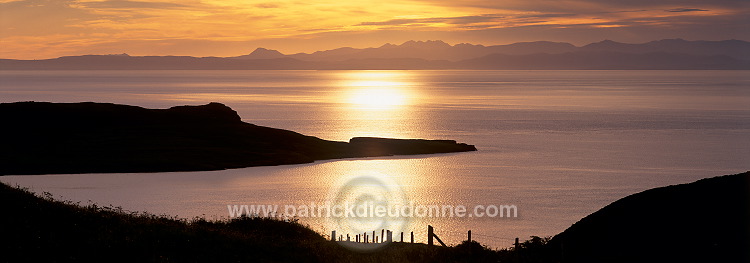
607, 54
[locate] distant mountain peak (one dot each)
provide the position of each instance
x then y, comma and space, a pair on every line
604, 44
671, 41
468, 45
426, 44
263, 53
266, 52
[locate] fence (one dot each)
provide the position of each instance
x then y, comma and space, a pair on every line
386, 236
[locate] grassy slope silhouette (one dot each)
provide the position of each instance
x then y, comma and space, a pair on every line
37, 229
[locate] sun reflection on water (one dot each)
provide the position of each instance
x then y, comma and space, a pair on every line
381, 91
377, 104
377, 95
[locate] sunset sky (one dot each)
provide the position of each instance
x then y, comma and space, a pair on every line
36, 29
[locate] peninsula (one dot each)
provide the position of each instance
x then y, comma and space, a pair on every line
66, 138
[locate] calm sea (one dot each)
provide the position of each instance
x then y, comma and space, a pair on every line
558, 145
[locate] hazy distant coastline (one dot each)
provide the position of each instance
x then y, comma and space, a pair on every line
668, 54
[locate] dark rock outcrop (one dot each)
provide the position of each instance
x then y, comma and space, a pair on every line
53, 138
369, 146
703, 221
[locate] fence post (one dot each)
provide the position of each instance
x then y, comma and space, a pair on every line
381, 235
429, 235
333, 235
469, 236
402, 236
412, 237
347, 238
516, 245
390, 236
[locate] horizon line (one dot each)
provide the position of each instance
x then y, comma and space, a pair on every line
380, 46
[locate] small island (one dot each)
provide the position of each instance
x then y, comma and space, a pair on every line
68, 138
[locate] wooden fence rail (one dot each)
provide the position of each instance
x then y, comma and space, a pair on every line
386, 236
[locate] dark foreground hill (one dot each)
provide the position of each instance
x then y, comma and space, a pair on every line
34, 229
703, 221
678, 229
53, 138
